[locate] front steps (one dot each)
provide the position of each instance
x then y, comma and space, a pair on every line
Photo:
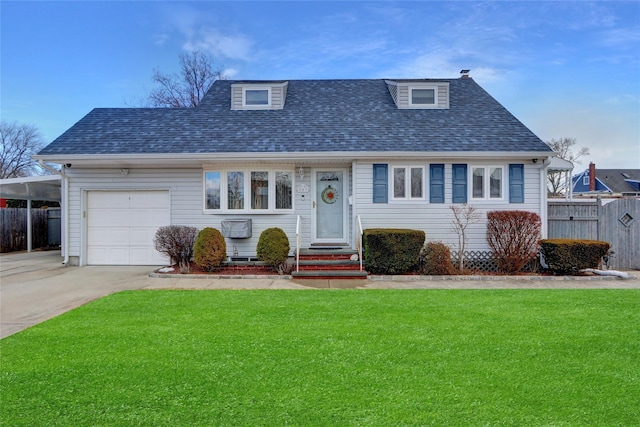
327, 263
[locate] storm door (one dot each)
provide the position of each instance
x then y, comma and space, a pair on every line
329, 207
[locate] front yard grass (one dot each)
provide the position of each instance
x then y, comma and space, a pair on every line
330, 358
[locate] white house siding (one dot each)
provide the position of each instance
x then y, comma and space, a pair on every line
186, 197
442, 95
435, 219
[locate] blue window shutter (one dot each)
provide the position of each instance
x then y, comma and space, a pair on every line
516, 183
380, 183
436, 183
459, 183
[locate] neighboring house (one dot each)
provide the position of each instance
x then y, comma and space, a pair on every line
608, 182
314, 156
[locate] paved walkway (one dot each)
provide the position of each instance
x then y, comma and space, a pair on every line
36, 286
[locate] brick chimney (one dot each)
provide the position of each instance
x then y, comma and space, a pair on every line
592, 176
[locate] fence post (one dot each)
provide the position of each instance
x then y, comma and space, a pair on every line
599, 221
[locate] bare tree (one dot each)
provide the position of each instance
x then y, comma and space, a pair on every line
185, 90
463, 216
19, 143
563, 147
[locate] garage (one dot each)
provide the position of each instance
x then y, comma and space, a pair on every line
121, 226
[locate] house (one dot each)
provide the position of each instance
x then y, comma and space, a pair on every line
321, 159
607, 182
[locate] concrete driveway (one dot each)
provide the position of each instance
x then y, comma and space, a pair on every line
36, 286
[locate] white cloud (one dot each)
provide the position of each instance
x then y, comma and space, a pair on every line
219, 45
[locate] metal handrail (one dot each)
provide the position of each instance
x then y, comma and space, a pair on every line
359, 242
298, 244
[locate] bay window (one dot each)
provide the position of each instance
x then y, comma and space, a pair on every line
248, 190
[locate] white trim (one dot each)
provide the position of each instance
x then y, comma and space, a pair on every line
345, 206
256, 88
413, 87
246, 170
486, 189
176, 160
407, 184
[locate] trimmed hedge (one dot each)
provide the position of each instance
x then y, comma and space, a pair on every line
210, 249
273, 248
436, 259
392, 251
571, 255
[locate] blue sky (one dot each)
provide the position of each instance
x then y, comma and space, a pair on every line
565, 69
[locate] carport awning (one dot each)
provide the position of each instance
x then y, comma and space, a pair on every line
31, 188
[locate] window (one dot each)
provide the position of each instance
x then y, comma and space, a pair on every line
486, 182
585, 180
256, 97
259, 190
248, 190
284, 190
212, 190
408, 182
235, 190
423, 96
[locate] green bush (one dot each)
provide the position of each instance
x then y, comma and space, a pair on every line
392, 251
436, 259
273, 248
210, 249
570, 255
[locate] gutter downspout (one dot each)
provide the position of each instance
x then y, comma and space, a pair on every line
543, 197
65, 208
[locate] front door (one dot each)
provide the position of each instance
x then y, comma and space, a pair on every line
330, 207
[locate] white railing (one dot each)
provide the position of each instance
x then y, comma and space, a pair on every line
298, 244
359, 242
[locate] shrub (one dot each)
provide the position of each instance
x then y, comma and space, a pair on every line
436, 259
210, 249
273, 248
176, 241
391, 251
570, 255
514, 238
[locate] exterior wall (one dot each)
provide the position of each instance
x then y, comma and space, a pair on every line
186, 193
435, 219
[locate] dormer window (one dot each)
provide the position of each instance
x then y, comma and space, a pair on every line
256, 97
259, 95
423, 96
419, 94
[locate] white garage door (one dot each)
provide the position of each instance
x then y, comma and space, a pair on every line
121, 226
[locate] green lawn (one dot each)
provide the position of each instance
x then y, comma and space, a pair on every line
330, 358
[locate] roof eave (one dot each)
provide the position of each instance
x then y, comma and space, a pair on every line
186, 159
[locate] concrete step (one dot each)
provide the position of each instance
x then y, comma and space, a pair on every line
329, 274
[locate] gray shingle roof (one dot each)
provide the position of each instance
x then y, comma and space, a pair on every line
615, 179
319, 116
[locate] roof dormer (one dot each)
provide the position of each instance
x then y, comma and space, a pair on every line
419, 94
258, 95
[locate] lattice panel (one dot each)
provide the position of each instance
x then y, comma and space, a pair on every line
482, 261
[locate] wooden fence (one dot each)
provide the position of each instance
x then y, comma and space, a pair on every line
13, 229
617, 222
